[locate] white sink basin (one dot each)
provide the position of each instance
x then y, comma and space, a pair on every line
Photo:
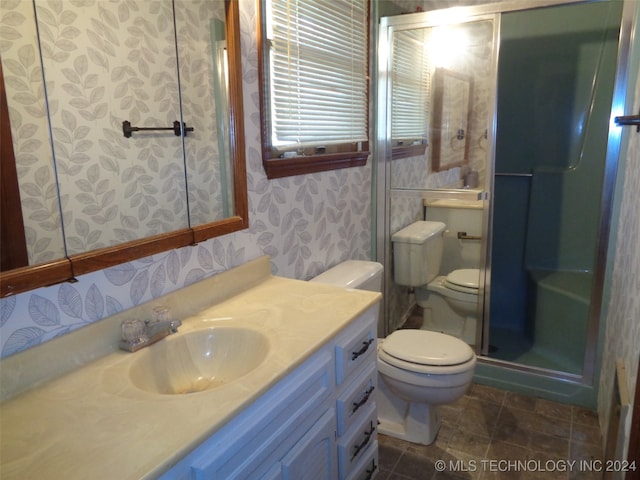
198, 361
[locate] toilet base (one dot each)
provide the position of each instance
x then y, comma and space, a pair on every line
413, 422
420, 426
438, 316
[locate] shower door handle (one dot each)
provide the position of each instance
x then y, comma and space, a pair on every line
629, 120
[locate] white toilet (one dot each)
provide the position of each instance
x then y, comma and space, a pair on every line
417, 369
450, 301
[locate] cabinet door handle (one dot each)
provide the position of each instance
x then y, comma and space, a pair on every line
367, 436
355, 355
363, 400
369, 473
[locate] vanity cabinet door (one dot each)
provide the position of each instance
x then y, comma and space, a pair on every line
314, 456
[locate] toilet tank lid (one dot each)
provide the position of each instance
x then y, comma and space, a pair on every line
350, 273
424, 347
418, 232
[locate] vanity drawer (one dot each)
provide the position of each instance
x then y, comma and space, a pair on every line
368, 467
354, 350
352, 404
356, 444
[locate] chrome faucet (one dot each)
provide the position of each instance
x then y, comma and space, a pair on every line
137, 334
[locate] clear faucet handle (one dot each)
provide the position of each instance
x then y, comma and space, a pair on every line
132, 330
160, 314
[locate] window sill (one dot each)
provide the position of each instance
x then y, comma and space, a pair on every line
288, 167
408, 151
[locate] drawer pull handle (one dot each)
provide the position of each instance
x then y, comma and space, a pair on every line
367, 394
365, 347
367, 436
369, 473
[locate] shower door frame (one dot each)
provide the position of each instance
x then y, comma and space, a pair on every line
383, 164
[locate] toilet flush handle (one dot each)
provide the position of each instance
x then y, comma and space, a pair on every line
464, 236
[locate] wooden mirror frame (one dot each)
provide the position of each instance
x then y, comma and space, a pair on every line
443, 78
66, 269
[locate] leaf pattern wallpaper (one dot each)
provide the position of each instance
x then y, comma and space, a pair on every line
306, 223
107, 62
22, 73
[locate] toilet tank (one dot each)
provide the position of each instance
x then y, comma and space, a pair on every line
417, 253
358, 274
459, 216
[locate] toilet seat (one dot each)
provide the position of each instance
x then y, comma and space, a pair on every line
464, 280
424, 351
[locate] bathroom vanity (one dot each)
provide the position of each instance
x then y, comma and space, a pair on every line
319, 422
295, 397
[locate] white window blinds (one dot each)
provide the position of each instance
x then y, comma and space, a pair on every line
318, 82
411, 79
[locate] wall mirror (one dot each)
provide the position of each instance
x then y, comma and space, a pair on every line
451, 116
439, 81
127, 131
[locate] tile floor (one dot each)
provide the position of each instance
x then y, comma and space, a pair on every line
494, 434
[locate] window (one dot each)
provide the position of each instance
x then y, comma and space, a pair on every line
411, 77
313, 85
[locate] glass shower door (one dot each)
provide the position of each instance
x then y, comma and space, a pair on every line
540, 143
555, 84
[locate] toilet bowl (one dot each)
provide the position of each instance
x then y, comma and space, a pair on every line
420, 369
450, 304
417, 369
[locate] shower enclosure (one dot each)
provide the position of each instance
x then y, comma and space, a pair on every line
532, 123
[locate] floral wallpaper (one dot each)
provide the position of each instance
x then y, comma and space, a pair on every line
306, 224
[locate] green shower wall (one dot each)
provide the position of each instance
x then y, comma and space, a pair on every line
556, 78
559, 85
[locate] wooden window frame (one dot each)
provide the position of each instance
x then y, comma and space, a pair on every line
332, 157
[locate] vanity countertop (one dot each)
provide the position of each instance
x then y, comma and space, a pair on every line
92, 422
